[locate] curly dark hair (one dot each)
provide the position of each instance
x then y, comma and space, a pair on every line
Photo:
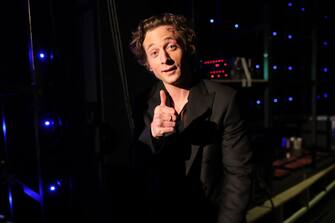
185, 34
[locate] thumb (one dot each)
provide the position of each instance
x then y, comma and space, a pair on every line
163, 97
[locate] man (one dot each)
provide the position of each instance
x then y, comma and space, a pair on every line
191, 157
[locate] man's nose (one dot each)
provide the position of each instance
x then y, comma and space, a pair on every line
165, 58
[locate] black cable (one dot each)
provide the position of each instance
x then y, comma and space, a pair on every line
113, 20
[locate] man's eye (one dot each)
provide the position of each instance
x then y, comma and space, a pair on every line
172, 47
154, 53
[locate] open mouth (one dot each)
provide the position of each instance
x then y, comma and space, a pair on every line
169, 69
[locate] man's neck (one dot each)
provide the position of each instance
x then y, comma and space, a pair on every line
179, 96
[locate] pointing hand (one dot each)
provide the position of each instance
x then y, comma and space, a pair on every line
164, 120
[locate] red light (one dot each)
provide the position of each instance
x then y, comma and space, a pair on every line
217, 65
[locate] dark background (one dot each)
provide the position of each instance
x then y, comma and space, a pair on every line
88, 81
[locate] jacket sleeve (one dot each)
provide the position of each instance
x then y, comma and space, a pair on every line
237, 167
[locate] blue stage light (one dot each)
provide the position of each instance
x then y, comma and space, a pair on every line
290, 68
52, 188
48, 123
211, 20
10, 200
290, 36
4, 127
274, 33
236, 26
51, 56
59, 183
257, 66
31, 193
283, 143
55, 186
258, 102
325, 69
290, 98
275, 100
42, 55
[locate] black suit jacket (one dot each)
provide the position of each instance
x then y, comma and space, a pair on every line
216, 157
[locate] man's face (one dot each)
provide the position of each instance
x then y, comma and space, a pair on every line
164, 54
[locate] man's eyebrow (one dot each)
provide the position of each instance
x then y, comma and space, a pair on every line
165, 39
150, 45
170, 38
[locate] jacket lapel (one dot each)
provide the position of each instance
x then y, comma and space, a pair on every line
199, 107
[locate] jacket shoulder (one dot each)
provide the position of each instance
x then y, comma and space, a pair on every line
218, 88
